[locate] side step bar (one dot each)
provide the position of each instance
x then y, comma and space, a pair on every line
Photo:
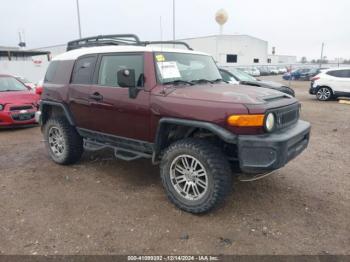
119, 153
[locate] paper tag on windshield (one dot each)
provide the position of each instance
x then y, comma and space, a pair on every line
169, 70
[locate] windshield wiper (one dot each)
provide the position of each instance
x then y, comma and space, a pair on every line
201, 81
177, 82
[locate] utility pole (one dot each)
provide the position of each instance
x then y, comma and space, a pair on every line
321, 55
174, 32
78, 13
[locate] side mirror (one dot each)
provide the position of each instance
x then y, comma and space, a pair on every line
126, 78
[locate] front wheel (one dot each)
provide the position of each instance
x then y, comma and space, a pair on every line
324, 94
196, 175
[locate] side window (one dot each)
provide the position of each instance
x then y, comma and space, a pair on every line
111, 64
340, 73
256, 60
84, 70
51, 72
347, 73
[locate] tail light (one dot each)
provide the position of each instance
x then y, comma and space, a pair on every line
315, 78
39, 90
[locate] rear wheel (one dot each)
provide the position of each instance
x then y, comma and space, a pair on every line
324, 94
63, 143
196, 175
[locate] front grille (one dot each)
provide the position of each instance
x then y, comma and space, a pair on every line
287, 116
23, 117
18, 108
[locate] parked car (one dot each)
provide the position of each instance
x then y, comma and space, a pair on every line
17, 103
331, 83
264, 71
170, 106
235, 76
26, 82
298, 74
274, 70
282, 70
253, 71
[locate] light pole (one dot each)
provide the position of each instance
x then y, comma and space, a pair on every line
174, 33
78, 13
321, 55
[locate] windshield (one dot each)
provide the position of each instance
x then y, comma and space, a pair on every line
11, 84
182, 67
242, 76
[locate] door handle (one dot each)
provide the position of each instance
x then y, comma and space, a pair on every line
96, 96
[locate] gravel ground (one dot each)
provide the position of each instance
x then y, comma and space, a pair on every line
106, 206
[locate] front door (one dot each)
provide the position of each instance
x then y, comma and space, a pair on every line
113, 111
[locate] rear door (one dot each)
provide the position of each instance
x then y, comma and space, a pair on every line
113, 111
80, 91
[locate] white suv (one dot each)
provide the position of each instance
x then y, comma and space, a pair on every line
331, 83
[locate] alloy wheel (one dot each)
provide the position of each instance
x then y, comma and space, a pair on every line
56, 141
189, 177
323, 94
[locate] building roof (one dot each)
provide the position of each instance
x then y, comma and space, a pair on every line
12, 52
218, 36
74, 54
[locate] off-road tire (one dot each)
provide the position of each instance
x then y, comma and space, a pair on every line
217, 168
73, 142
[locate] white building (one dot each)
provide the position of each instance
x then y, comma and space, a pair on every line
238, 50
282, 59
30, 64
232, 50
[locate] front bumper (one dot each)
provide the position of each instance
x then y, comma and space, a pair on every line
265, 153
17, 118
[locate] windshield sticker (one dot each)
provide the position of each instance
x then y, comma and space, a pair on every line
160, 58
169, 70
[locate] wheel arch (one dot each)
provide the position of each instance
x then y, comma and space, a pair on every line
185, 128
51, 109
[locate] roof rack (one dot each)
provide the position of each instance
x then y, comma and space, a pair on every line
167, 43
123, 39
101, 40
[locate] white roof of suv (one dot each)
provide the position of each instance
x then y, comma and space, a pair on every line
74, 54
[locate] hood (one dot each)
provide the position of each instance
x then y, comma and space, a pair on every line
226, 93
18, 97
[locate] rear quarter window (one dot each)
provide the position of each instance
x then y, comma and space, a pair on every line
51, 72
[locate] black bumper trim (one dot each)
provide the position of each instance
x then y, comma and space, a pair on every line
268, 152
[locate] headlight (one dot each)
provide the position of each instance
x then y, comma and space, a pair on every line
1, 107
270, 122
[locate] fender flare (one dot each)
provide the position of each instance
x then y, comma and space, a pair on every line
64, 107
221, 132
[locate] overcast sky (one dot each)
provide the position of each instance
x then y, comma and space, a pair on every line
295, 27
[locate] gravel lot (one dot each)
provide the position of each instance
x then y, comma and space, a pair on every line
106, 206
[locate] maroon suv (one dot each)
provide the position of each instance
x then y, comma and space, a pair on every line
171, 106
